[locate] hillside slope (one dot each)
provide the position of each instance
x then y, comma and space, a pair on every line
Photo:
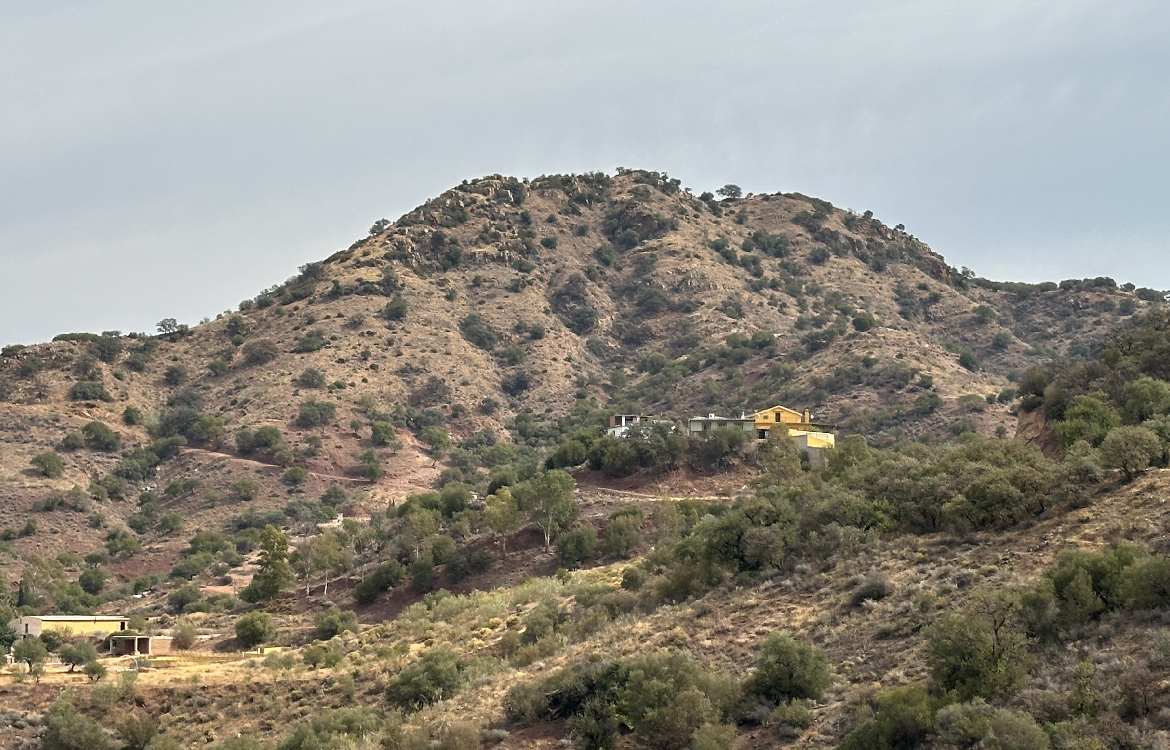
504, 298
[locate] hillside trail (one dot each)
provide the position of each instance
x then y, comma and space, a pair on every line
603, 492
239, 461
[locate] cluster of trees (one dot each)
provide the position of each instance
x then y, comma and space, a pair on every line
980, 658
668, 700
1112, 409
655, 448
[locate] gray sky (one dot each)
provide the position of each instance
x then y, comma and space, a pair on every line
170, 159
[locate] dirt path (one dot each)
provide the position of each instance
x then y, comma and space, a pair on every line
228, 457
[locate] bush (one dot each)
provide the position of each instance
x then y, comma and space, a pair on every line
132, 416
576, 546
326, 655
977, 725
665, 698
395, 309
383, 434
1130, 449
478, 332
294, 476
99, 437
311, 378
314, 413
788, 669
334, 622
89, 390
622, 536
65, 729
435, 676
49, 464
384, 577
259, 352
92, 580
902, 718
873, 588
310, 342
1146, 584
255, 628
184, 634
184, 596
979, 653
715, 450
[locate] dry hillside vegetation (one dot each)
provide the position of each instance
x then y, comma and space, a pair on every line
392, 469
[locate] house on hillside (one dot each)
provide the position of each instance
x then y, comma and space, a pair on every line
697, 426
811, 440
620, 424
70, 626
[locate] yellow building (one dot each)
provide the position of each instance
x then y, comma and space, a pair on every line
790, 418
91, 626
809, 438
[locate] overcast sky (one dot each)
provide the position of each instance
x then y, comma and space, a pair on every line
170, 159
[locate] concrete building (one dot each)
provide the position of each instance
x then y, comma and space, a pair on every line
70, 626
140, 645
703, 425
620, 424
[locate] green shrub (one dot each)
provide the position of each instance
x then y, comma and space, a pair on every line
873, 588
254, 628
89, 390
294, 476
49, 464
326, 655
901, 719
335, 621
259, 352
395, 309
1146, 584
311, 378
436, 675
788, 669
66, 729
1130, 449
622, 536
976, 725
310, 342
384, 577
99, 437
478, 332
664, 698
314, 413
185, 634
576, 545
383, 434
979, 653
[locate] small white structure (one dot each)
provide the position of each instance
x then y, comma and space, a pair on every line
619, 424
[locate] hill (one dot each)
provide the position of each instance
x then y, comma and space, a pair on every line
364, 408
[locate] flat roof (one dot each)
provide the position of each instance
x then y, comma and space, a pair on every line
123, 636
78, 618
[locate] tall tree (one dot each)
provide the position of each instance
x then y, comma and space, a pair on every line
274, 572
503, 516
548, 500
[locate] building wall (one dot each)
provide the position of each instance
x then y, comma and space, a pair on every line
69, 628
